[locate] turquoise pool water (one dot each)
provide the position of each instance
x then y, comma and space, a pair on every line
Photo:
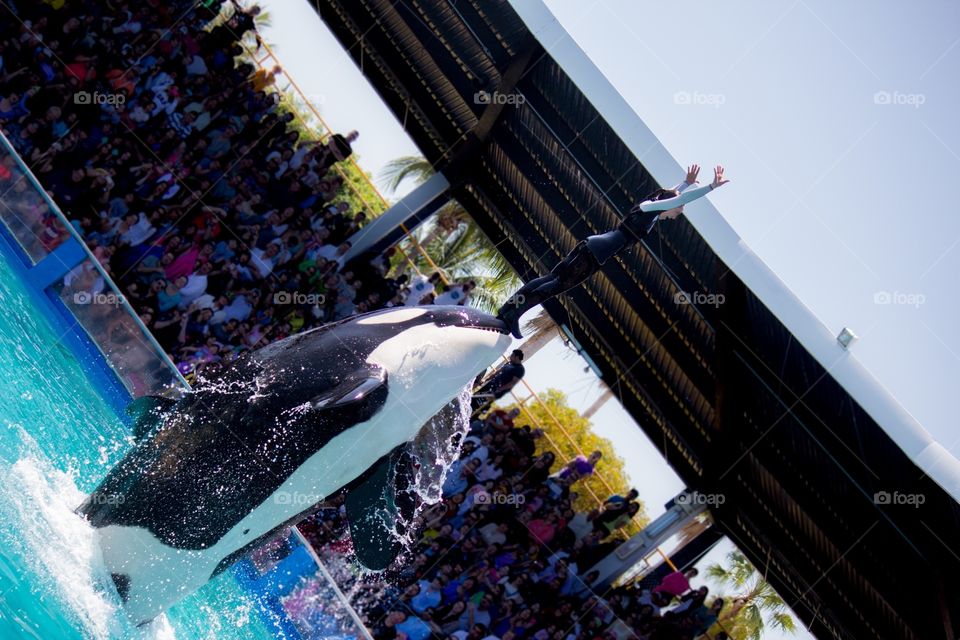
57, 440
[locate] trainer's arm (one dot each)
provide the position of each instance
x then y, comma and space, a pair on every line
687, 196
677, 201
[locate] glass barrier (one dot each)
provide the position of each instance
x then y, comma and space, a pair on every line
35, 222
291, 583
110, 323
25, 212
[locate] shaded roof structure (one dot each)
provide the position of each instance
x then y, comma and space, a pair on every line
752, 397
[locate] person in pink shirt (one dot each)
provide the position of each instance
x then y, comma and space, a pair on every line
676, 583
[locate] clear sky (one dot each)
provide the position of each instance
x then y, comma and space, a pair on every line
838, 126
837, 122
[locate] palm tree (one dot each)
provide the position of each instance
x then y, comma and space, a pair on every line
456, 245
399, 169
754, 605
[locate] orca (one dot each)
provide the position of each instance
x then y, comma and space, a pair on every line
273, 434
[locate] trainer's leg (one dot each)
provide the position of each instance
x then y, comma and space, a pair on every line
570, 272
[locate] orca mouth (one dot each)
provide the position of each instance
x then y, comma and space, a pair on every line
469, 318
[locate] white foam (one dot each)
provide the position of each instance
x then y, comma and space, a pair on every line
37, 502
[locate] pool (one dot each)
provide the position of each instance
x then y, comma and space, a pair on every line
58, 437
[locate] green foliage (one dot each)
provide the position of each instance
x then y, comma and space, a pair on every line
399, 169
455, 244
753, 605
581, 434
359, 192
357, 189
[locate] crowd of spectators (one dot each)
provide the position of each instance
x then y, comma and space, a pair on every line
504, 556
178, 164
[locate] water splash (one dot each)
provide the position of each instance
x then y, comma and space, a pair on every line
37, 503
435, 449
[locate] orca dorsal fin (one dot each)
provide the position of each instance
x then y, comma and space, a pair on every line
379, 508
147, 411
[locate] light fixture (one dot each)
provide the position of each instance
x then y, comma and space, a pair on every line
846, 337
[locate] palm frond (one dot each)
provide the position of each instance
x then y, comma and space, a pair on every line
399, 169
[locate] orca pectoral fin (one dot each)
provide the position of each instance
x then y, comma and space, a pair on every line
364, 386
147, 412
380, 508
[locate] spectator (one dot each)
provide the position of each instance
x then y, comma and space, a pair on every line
420, 287
505, 378
456, 294
676, 583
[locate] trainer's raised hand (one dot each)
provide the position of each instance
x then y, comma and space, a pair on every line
718, 180
692, 172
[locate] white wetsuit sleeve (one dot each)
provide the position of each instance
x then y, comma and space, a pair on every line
683, 186
687, 196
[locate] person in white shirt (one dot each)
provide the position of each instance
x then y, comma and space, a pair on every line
196, 285
421, 286
334, 253
264, 260
139, 230
456, 294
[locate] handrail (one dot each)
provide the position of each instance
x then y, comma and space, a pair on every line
52, 206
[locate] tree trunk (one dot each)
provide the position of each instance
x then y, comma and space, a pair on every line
598, 403
544, 330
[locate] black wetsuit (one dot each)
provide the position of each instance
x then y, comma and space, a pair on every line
588, 256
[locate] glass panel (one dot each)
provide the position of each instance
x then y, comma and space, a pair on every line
24, 211
108, 320
285, 576
89, 295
